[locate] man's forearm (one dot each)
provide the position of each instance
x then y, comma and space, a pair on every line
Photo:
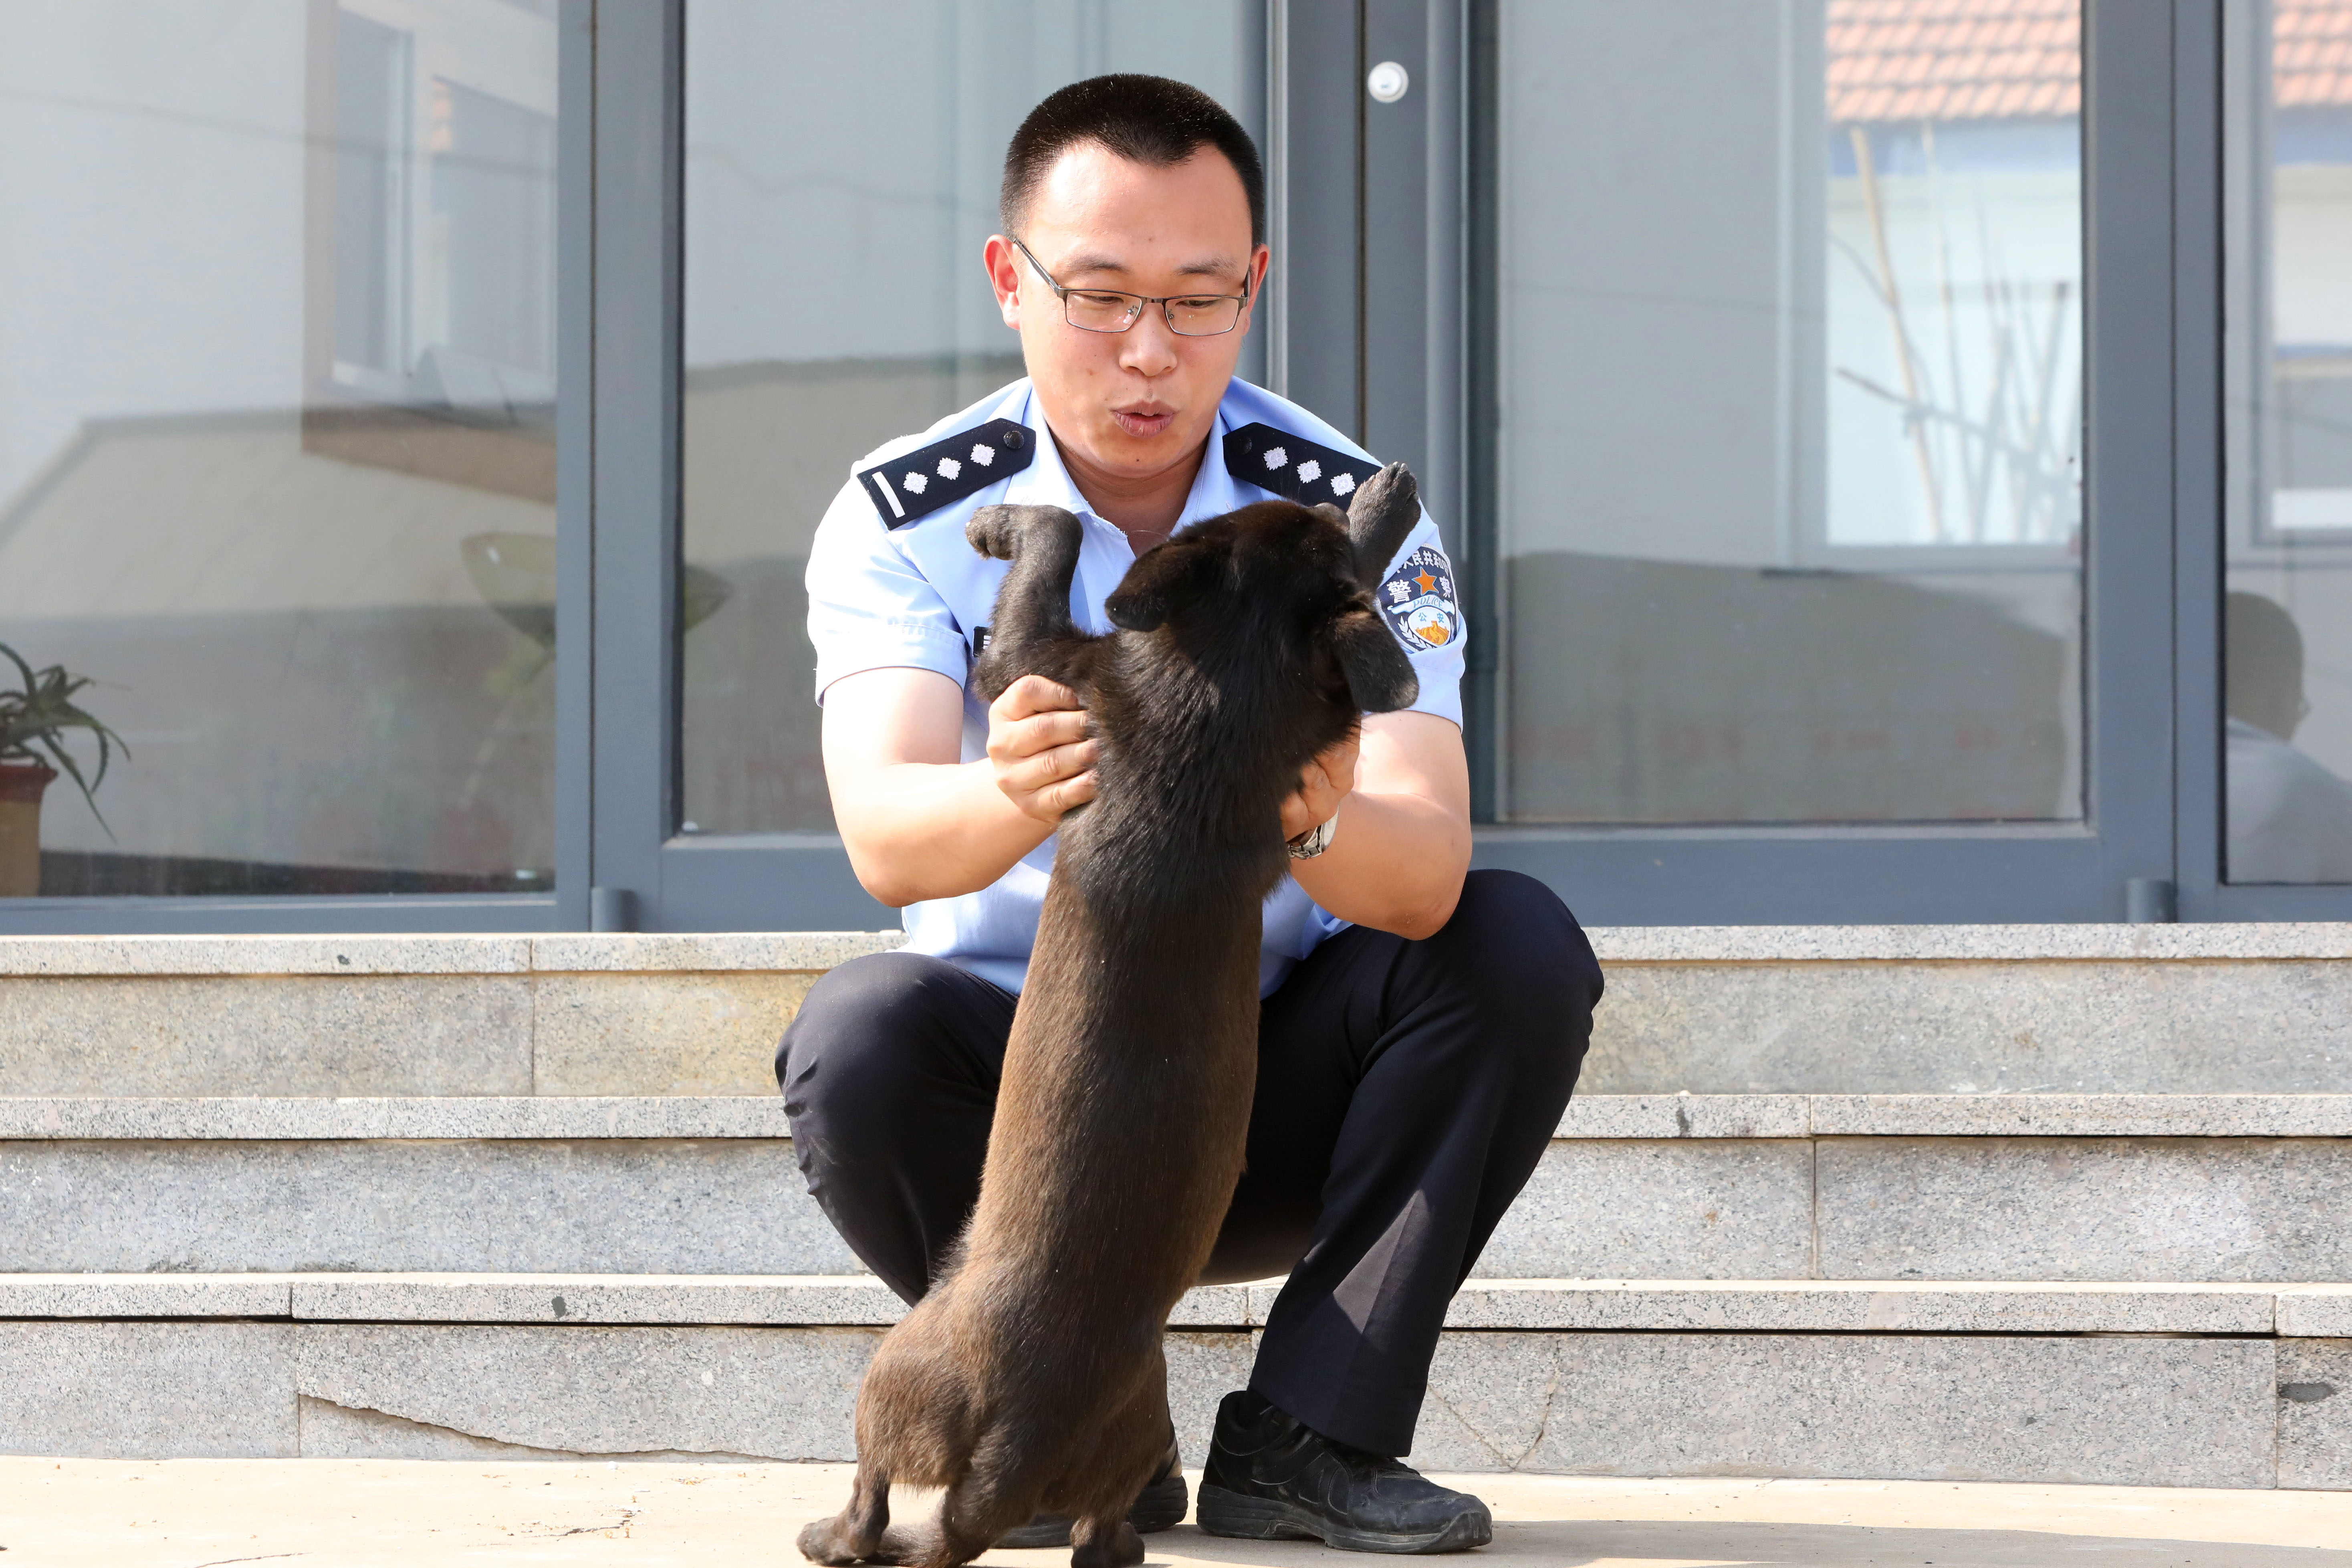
938, 831
919, 825
1396, 864
931, 830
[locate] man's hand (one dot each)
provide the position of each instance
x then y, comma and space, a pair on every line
1038, 746
1323, 784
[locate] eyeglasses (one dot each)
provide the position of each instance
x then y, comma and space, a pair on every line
1108, 310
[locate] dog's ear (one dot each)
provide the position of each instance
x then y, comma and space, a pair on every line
1161, 578
1380, 514
1381, 678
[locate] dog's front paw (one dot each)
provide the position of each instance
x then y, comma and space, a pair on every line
998, 530
1392, 488
994, 531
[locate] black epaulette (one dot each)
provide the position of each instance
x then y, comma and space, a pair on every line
920, 482
1279, 461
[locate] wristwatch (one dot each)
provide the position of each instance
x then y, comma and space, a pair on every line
1315, 840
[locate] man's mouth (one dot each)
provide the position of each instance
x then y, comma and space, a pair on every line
1145, 419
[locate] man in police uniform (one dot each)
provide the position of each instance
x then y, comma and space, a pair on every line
1422, 1025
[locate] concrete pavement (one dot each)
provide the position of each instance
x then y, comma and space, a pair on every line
206, 1513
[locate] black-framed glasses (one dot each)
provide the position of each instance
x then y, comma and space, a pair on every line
1108, 310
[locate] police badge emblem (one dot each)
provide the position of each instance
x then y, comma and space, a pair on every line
1418, 600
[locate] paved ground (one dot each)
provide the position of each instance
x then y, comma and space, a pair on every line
203, 1513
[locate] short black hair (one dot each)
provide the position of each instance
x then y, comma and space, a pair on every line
1147, 120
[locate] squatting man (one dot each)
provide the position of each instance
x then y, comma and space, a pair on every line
1422, 1025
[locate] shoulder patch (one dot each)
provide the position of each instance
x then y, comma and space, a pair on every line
1305, 472
1417, 598
917, 483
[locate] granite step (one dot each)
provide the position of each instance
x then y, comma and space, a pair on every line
2114, 1382
1589, 1117
2214, 1188
860, 1301
2099, 1009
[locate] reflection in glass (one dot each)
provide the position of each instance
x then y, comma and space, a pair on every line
2290, 819
276, 450
1790, 387
838, 155
2288, 615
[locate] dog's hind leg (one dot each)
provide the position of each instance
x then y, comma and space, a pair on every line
854, 1534
1131, 1449
1032, 630
952, 1540
979, 1507
1108, 1541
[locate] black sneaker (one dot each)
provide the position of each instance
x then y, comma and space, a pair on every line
1268, 1477
1159, 1506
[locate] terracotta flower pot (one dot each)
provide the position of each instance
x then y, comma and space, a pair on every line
21, 784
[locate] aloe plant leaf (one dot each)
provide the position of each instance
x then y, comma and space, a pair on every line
65, 760
34, 718
24, 669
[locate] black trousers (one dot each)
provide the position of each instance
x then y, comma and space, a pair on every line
1404, 1093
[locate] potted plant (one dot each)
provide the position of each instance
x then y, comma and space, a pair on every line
33, 719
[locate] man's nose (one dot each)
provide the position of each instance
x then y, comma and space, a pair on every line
1148, 348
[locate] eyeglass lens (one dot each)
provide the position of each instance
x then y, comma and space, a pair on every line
1201, 316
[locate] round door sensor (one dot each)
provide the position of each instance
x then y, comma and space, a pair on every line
1387, 81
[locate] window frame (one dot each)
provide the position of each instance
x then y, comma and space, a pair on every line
566, 908
1400, 332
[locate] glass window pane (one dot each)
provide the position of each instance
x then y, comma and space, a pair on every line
841, 175
277, 437
1791, 391
2287, 611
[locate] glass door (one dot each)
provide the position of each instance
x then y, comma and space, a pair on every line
2269, 735
1818, 585
840, 172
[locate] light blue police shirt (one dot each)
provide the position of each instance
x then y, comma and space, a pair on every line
911, 595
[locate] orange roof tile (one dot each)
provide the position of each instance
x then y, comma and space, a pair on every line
2313, 65
1954, 59
2000, 59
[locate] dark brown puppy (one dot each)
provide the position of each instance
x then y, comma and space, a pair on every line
1032, 1377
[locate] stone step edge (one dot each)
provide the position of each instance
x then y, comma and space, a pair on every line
1598, 1117
804, 951
1907, 1307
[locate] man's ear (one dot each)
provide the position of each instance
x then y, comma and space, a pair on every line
1161, 579
1381, 678
1380, 514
